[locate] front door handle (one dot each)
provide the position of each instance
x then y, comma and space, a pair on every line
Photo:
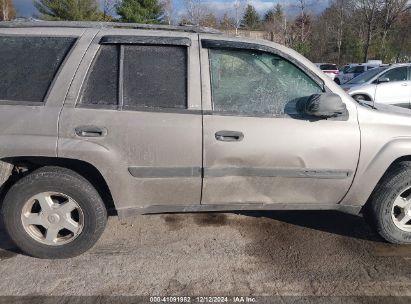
91, 131
229, 136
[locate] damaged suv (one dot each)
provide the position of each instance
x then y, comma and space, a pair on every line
125, 119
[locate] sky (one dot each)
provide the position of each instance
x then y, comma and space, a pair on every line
25, 8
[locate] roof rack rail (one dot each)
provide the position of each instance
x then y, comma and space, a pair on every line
30, 22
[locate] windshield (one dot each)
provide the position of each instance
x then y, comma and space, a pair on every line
366, 76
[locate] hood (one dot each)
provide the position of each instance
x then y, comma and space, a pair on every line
391, 109
386, 109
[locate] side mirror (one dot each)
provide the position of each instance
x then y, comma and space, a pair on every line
383, 80
324, 105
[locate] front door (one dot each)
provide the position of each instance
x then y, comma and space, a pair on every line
257, 148
397, 90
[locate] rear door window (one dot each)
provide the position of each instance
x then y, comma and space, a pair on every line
138, 77
29, 64
155, 76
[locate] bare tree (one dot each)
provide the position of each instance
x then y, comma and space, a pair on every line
369, 11
108, 9
168, 10
195, 10
391, 9
7, 11
339, 11
239, 7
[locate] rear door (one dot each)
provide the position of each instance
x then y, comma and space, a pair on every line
257, 148
134, 112
397, 91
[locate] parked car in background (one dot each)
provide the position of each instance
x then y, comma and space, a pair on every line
353, 71
329, 69
344, 68
386, 85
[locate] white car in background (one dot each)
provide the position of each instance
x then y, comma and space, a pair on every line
329, 69
385, 85
353, 71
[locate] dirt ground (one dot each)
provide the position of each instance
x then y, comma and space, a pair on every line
273, 253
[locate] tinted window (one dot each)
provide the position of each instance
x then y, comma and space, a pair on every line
397, 74
245, 81
356, 69
367, 76
102, 82
328, 67
28, 65
155, 76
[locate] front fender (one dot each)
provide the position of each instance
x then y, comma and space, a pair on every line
371, 169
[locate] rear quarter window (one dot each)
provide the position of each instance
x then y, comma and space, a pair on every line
29, 65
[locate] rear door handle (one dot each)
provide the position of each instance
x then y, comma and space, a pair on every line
229, 136
405, 84
91, 131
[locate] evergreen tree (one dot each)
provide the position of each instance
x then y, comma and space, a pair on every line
7, 10
269, 16
278, 12
77, 10
140, 11
251, 19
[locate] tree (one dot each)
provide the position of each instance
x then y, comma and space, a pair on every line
227, 23
251, 19
274, 23
239, 7
168, 11
195, 11
140, 11
77, 10
369, 13
108, 9
209, 20
391, 10
7, 10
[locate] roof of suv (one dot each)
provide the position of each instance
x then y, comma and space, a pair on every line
85, 24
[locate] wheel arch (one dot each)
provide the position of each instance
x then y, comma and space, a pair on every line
371, 172
23, 165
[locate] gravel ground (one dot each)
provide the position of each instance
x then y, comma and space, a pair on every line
273, 253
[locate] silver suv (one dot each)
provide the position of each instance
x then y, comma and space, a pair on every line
97, 119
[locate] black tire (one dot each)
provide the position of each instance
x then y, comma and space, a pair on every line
379, 206
60, 180
337, 81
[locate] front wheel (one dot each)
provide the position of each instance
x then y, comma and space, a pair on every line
389, 207
54, 213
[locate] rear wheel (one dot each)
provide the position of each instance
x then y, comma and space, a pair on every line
389, 207
54, 213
